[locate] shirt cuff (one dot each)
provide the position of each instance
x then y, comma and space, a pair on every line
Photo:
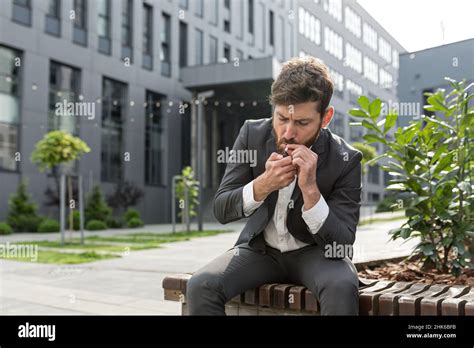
250, 204
316, 216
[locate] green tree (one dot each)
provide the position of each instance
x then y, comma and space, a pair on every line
187, 181
22, 214
58, 147
431, 159
96, 206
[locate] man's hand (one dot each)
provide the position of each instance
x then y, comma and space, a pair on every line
279, 173
306, 162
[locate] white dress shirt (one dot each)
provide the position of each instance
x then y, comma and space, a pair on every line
276, 233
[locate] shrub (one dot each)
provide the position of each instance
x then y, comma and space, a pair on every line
96, 207
134, 222
112, 222
49, 225
130, 214
431, 159
22, 213
96, 225
126, 194
5, 228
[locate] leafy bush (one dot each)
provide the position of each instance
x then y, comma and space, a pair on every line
96, 225
112, 222
134, 222
5, 228
126, 194
49, 225
130, 214
22, 214
96, 207
432, 160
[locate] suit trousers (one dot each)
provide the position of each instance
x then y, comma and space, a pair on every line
334, 282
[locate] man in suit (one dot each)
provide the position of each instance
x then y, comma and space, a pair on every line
302, 201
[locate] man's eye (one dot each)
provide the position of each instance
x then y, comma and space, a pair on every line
283, 119
303, 123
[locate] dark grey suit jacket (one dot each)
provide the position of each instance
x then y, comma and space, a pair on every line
338, 177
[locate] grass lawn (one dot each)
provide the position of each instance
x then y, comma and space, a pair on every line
46, 256
131, 242
155, 238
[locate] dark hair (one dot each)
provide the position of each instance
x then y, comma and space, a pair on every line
303, 80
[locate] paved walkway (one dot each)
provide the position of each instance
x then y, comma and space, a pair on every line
132, 284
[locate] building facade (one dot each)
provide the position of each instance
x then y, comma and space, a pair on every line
135, 67
425, 71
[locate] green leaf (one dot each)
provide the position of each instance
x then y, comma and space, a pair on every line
375, 159
374, 108
443, 164
372, 138
396, 187
438, 122
391, 119
364, 102
358, 113
370, 126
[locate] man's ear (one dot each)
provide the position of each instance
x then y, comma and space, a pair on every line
328, 116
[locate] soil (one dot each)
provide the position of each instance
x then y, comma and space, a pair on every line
410, 271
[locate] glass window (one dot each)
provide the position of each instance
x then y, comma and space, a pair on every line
127, 15
183, 44
251, 16
22, 12
333, 43
147, 29
338, 81
369, 36
309, 26
386, 79
53, 8
334, 8
385, 49
212, 49
113, 114
9, 107
214, 11
199, 47
371, 70
353, 58
165, 54
80, 14
154, 139
103, 23
64, 88
352, 21
199, 7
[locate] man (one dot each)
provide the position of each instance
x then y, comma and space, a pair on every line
302, 200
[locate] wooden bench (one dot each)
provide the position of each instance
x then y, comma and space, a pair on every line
377, 298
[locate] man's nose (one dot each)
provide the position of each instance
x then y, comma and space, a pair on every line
290, 131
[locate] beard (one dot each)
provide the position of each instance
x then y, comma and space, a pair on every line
282, 142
